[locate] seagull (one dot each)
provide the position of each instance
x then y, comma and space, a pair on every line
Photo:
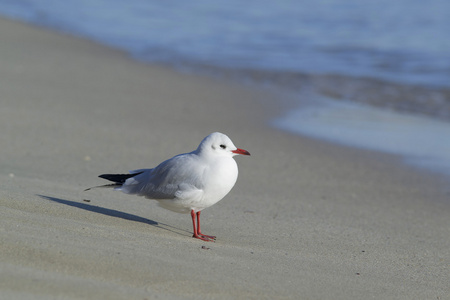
189, 182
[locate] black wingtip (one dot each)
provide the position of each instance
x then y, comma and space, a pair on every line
118, 178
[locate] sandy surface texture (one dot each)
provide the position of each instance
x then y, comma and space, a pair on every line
306, 219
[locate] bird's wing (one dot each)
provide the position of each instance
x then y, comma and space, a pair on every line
179, 177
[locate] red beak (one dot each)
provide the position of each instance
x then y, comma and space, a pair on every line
241, 151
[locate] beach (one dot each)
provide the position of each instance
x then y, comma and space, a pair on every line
307, 219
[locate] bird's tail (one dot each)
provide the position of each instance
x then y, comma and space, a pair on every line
118, 179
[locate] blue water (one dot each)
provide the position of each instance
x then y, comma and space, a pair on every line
403, 40
392, 54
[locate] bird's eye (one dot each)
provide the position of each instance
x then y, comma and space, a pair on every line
223, 146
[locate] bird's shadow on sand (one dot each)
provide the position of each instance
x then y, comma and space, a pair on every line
114, 213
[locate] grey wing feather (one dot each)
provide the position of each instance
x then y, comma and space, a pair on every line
168, 180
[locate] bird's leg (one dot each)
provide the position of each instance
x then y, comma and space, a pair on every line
198, 229
196, 225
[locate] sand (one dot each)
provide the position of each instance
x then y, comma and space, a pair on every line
306, 220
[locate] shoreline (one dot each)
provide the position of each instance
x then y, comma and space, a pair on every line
418, 140
306, 217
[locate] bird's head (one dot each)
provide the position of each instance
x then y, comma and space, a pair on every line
219, 144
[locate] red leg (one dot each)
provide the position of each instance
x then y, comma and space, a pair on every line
198, 229
196, 225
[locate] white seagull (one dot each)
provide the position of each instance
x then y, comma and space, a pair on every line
189, 182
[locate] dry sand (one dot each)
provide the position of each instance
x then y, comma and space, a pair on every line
306, 220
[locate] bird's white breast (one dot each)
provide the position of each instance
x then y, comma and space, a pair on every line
219, 178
